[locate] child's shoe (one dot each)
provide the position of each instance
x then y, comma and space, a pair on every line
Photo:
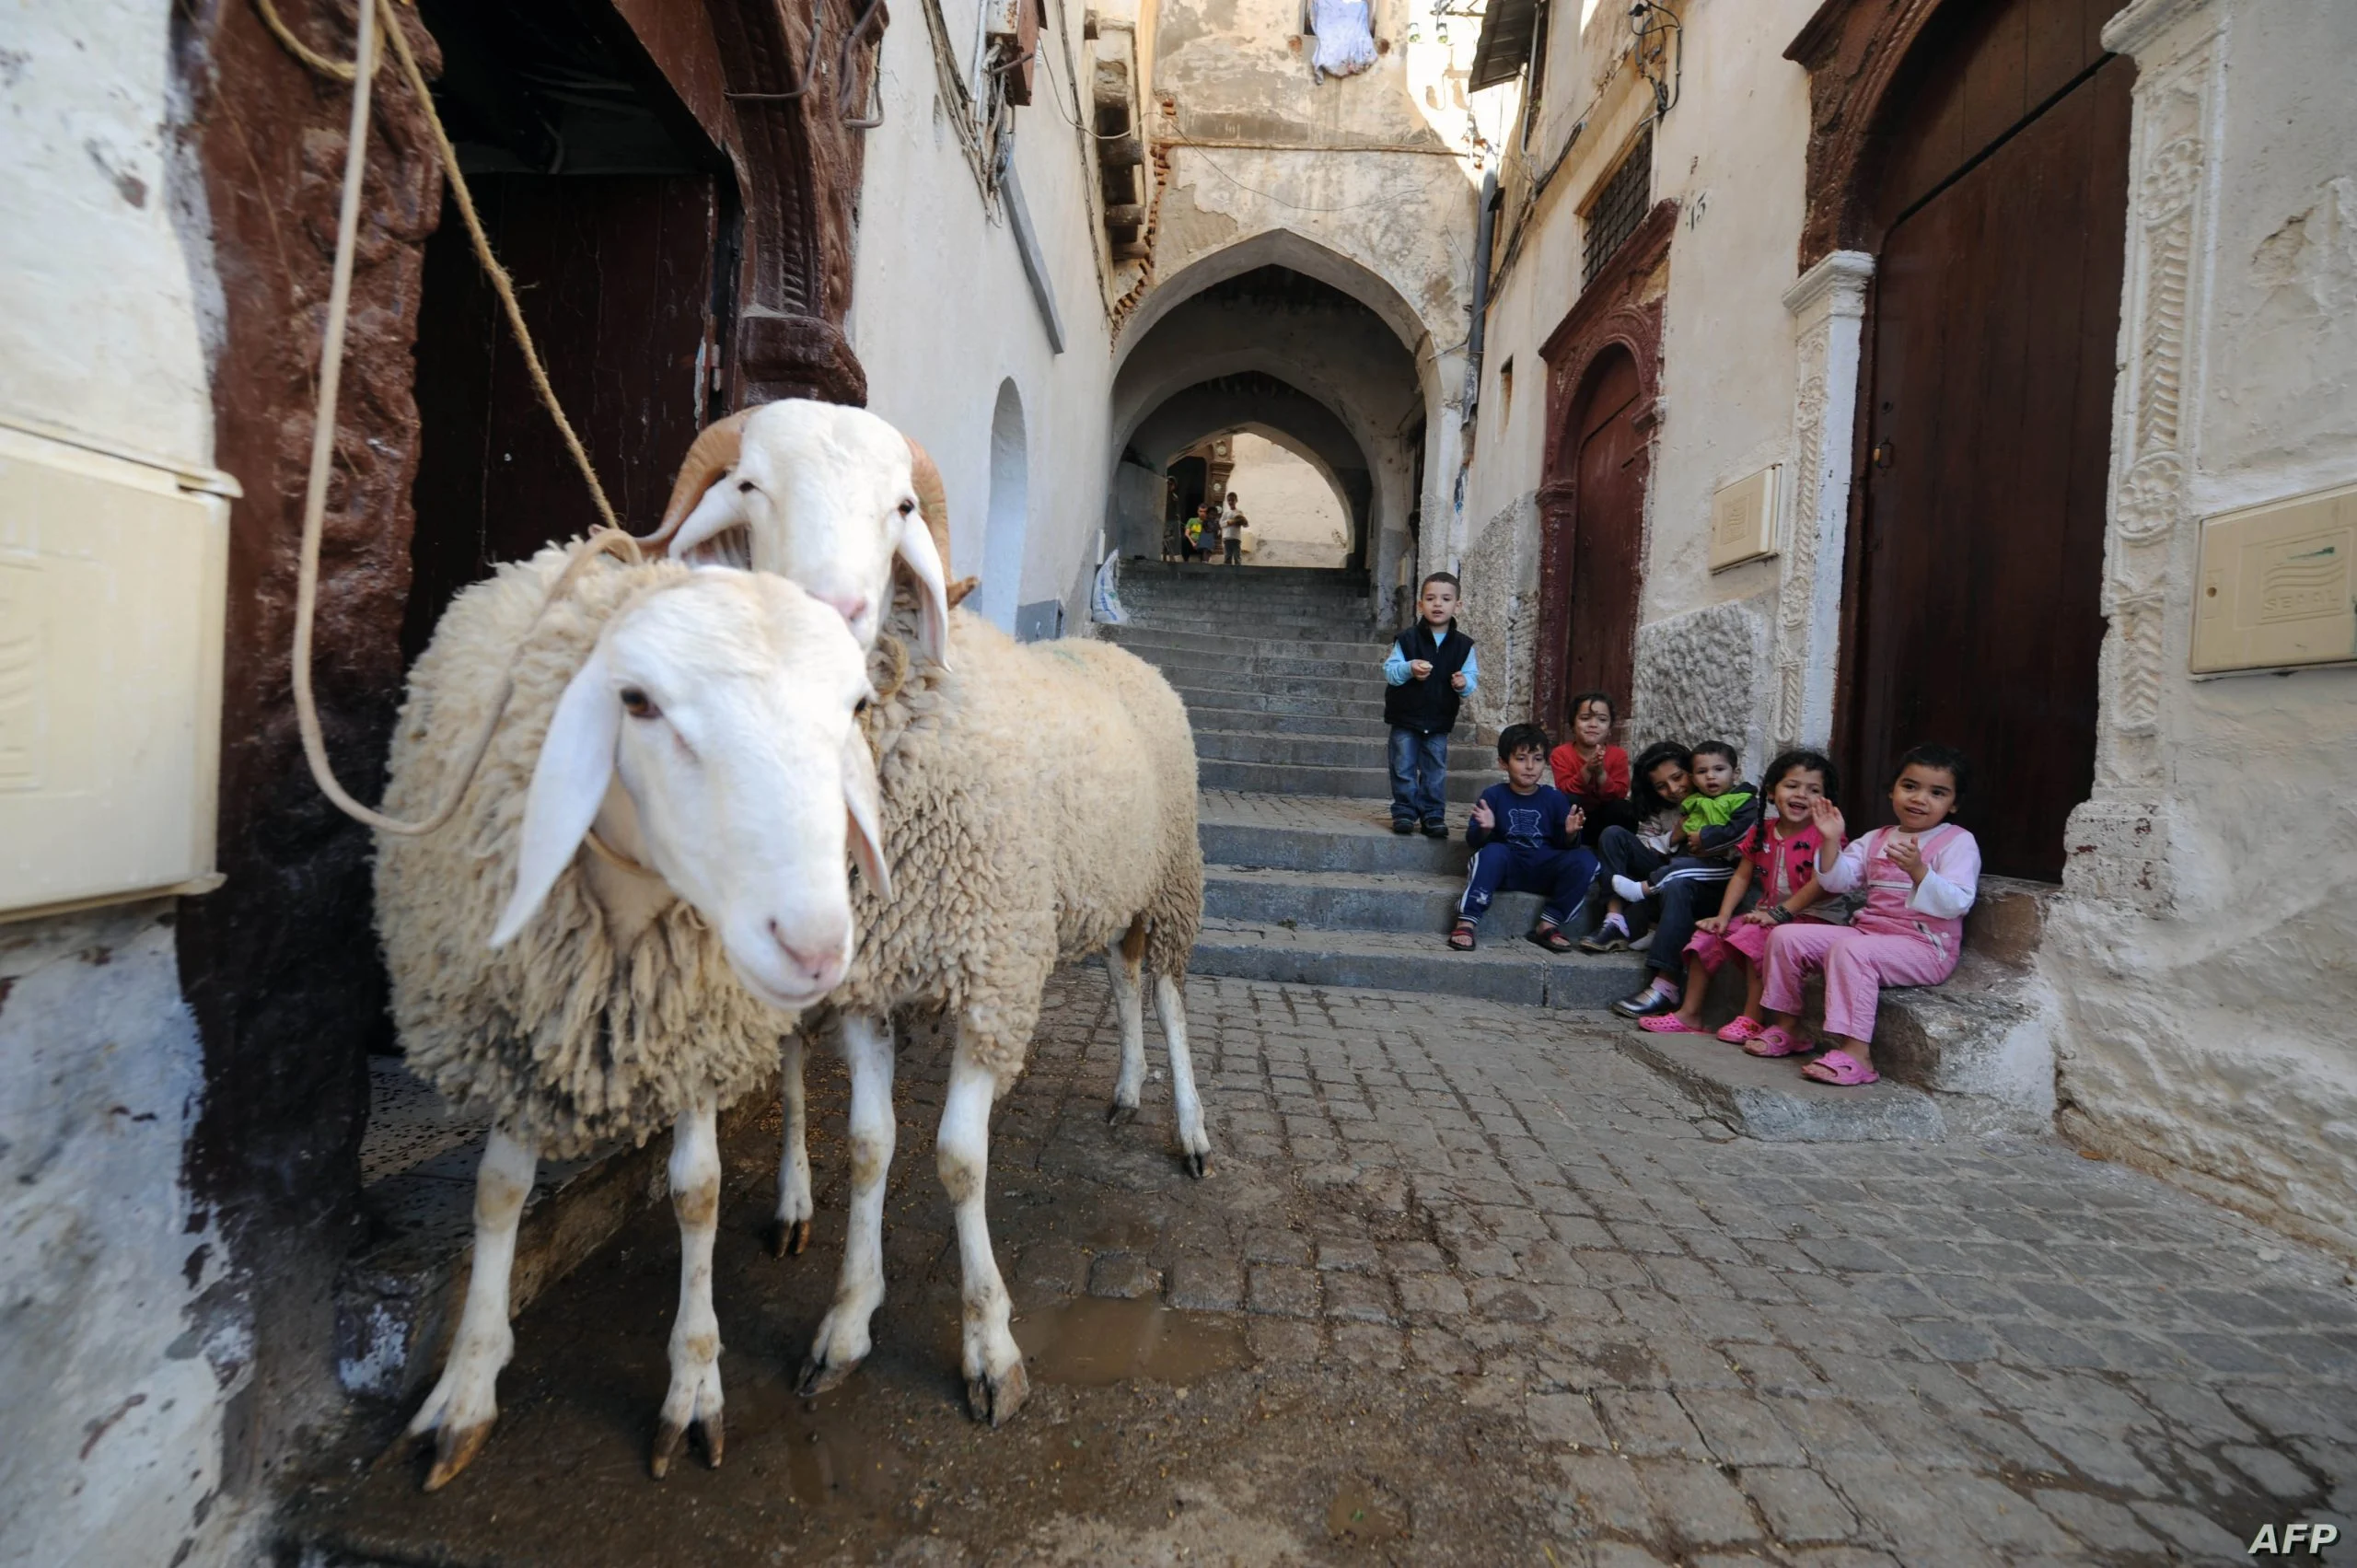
1403, 824
1436, 829
1549, 935
1612, 936
1743, 1027
1629, 889
1461, 937
1648, 1003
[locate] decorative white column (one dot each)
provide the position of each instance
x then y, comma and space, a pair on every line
1828, 305
2118, 838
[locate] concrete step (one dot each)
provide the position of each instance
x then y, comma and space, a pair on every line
1503, 968
1268, 666
1266, 625
1351, 900
1140, 638
1291, 778
1276, 745
1259, 721
1366, 708
1322, 833
1981, 1041
1769, 1100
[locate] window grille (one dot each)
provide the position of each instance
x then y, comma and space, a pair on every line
1618, 207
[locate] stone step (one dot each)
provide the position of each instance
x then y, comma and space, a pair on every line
1196, 571
1272, 663
1259, 721
1770, 1101
1292, 778
1258, 700
1421, 900
1313, 833
1981, 1040
1277, 745
1138, 638
1266, 625
1503, 968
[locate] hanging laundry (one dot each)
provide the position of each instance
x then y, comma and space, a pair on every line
1345, 34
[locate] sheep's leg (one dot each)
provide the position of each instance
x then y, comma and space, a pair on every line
1121, 963
789, 1231
465, 1402
1194, 1143
694, 1397
842, 1342
996, 1384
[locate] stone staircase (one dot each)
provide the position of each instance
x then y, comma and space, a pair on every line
1305, 883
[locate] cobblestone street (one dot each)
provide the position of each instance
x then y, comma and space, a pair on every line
1466, 1285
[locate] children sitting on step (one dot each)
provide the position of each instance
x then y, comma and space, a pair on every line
1526, 839
1776, 873
1664, 778
1431, 670
1593, 771
1920, 878
1715, 816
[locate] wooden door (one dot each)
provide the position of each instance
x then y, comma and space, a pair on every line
1987, 438
1606, 528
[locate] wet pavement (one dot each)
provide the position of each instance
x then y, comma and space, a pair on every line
1466, 1286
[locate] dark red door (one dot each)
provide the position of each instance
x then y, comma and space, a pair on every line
1989, 436
1606, 528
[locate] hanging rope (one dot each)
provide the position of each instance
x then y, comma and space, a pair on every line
610, 540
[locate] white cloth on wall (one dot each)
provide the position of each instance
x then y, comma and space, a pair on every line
1345, 32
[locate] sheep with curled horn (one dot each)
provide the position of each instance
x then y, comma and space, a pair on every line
697, 730
1037, 804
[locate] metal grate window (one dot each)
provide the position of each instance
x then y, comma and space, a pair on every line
1618, 207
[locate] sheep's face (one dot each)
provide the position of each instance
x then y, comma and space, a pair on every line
724, 705
826, 495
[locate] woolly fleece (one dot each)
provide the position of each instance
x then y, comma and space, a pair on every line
557, 1037
1002, 865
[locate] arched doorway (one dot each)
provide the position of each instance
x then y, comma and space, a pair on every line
1606, 452
1999, 191
1010, 511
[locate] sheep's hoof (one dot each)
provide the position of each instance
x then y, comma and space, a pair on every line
670, 1435
1119, 1115
996, 1402
1199, 1165
783, 1240
818, 1376
454, 1449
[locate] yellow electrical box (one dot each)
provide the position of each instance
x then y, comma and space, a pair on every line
112, 580
2278, 585
1743, 518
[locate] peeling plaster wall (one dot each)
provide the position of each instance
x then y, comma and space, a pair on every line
1499, 575
2206, 948
943, 310
116, 1374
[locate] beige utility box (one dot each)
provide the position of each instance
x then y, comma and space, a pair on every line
1743, 518
112, 577
2278, 585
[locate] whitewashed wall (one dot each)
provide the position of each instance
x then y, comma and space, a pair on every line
943, 317
114, 1404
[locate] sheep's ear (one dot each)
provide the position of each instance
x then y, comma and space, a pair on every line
713, 453
722, 508
864, 807
916, 551
569, 781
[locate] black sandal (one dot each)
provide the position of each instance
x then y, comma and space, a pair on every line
1550, 937
1461, 939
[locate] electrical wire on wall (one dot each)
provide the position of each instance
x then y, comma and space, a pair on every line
1659, 51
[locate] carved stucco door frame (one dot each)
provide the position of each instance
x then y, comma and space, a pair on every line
1829, 306
2118, 839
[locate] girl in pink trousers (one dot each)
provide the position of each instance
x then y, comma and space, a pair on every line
1920, 878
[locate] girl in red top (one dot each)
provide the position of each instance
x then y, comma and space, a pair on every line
1591, 769
1780, 861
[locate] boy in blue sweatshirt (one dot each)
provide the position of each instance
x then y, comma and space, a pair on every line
1526, 839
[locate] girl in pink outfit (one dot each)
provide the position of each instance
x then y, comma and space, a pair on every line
1920, 878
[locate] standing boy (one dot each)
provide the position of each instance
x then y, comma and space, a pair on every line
1526, 839
1231, 533
1430, 671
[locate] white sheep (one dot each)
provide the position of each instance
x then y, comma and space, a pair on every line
1007, 863
700, 727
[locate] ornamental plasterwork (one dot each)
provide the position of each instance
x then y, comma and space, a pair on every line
1828, 302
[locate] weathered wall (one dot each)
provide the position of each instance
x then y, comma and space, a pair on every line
116, 1368
1296, 517
2206, 949
1731, 154
945, 313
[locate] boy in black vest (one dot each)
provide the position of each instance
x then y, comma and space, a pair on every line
1431, 670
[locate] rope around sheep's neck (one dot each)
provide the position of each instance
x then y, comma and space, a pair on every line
611, 539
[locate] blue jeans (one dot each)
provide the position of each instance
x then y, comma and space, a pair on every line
1419, 777
1564, 875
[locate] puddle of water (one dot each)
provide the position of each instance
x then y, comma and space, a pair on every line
1094, 1340
1364, 1511
829, 1462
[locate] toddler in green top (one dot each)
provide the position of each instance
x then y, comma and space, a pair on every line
1719, 795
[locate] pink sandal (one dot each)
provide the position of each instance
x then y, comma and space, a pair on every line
1841, 1069
1666, 1023
1778, 1040
1743, 1027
